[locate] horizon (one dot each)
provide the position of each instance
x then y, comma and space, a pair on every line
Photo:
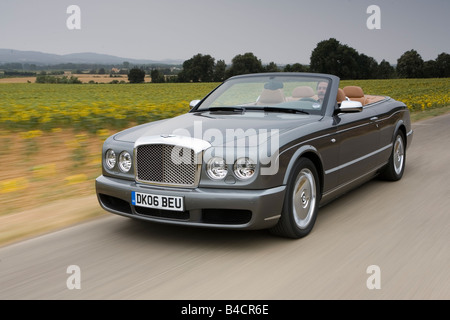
175, 62
125, 59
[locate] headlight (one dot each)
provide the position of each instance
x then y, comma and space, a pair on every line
244, 168
124, 161
216, 168
110, 159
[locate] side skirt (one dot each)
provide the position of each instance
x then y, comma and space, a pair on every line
349, 185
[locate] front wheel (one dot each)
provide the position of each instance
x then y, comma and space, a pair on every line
396, 165
301, 202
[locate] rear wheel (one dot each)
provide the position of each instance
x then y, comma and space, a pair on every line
396, 165
301, 202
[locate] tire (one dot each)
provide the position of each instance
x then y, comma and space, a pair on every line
396, 165
301, 202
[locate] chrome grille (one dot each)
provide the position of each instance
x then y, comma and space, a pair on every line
166, 164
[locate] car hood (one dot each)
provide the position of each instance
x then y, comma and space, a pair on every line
219, 128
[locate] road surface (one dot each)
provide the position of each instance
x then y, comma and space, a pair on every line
384, 240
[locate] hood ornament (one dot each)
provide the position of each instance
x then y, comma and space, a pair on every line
167, 135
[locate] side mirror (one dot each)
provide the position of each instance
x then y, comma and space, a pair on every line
193, 103
348, 106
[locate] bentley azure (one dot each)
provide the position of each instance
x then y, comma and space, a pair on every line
260, 151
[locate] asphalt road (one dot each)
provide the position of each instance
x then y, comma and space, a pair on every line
402, 228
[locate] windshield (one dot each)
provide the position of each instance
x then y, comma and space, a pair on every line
270, 93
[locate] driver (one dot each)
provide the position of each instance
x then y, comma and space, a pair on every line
321, 90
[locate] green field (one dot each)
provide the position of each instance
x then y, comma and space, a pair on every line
93, 107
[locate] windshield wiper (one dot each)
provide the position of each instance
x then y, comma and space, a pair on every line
231, 109
276, 109
266, 109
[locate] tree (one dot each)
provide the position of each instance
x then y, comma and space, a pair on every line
245, 64
296, 67
157, 76
330, 56
443, 65
348, 63
368, 67
385, 70
430, 69
136, 75
198, 68
219, 71
410, 65
271, 67
324, 57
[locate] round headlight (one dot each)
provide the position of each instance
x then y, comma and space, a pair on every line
110, 159
244, 168
125, 161
216, 168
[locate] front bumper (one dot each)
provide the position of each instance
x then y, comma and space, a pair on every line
204, 207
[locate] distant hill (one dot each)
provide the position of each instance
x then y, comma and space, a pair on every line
41, 58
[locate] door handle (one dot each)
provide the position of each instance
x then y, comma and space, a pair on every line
374, 119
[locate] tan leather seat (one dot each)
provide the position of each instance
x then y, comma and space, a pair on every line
355, 93
340, 96
271, 97
302, 92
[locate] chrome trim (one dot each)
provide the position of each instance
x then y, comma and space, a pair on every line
342, 166
389, 116
197, 145
326, 194
326, 135
304, 143
193, 103
348, 106
273, 217
354, 127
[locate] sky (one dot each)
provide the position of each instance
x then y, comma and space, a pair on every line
281, 31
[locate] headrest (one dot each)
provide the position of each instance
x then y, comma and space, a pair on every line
271, 96
303, 92
340, 95
354, 92
273, 85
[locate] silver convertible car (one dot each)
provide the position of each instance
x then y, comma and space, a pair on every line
261, 151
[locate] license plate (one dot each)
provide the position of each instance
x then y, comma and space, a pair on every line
156, 201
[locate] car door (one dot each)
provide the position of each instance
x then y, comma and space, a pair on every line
358, 138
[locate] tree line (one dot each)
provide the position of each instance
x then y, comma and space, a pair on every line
329, 56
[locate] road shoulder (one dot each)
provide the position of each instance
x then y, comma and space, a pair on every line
56, 215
